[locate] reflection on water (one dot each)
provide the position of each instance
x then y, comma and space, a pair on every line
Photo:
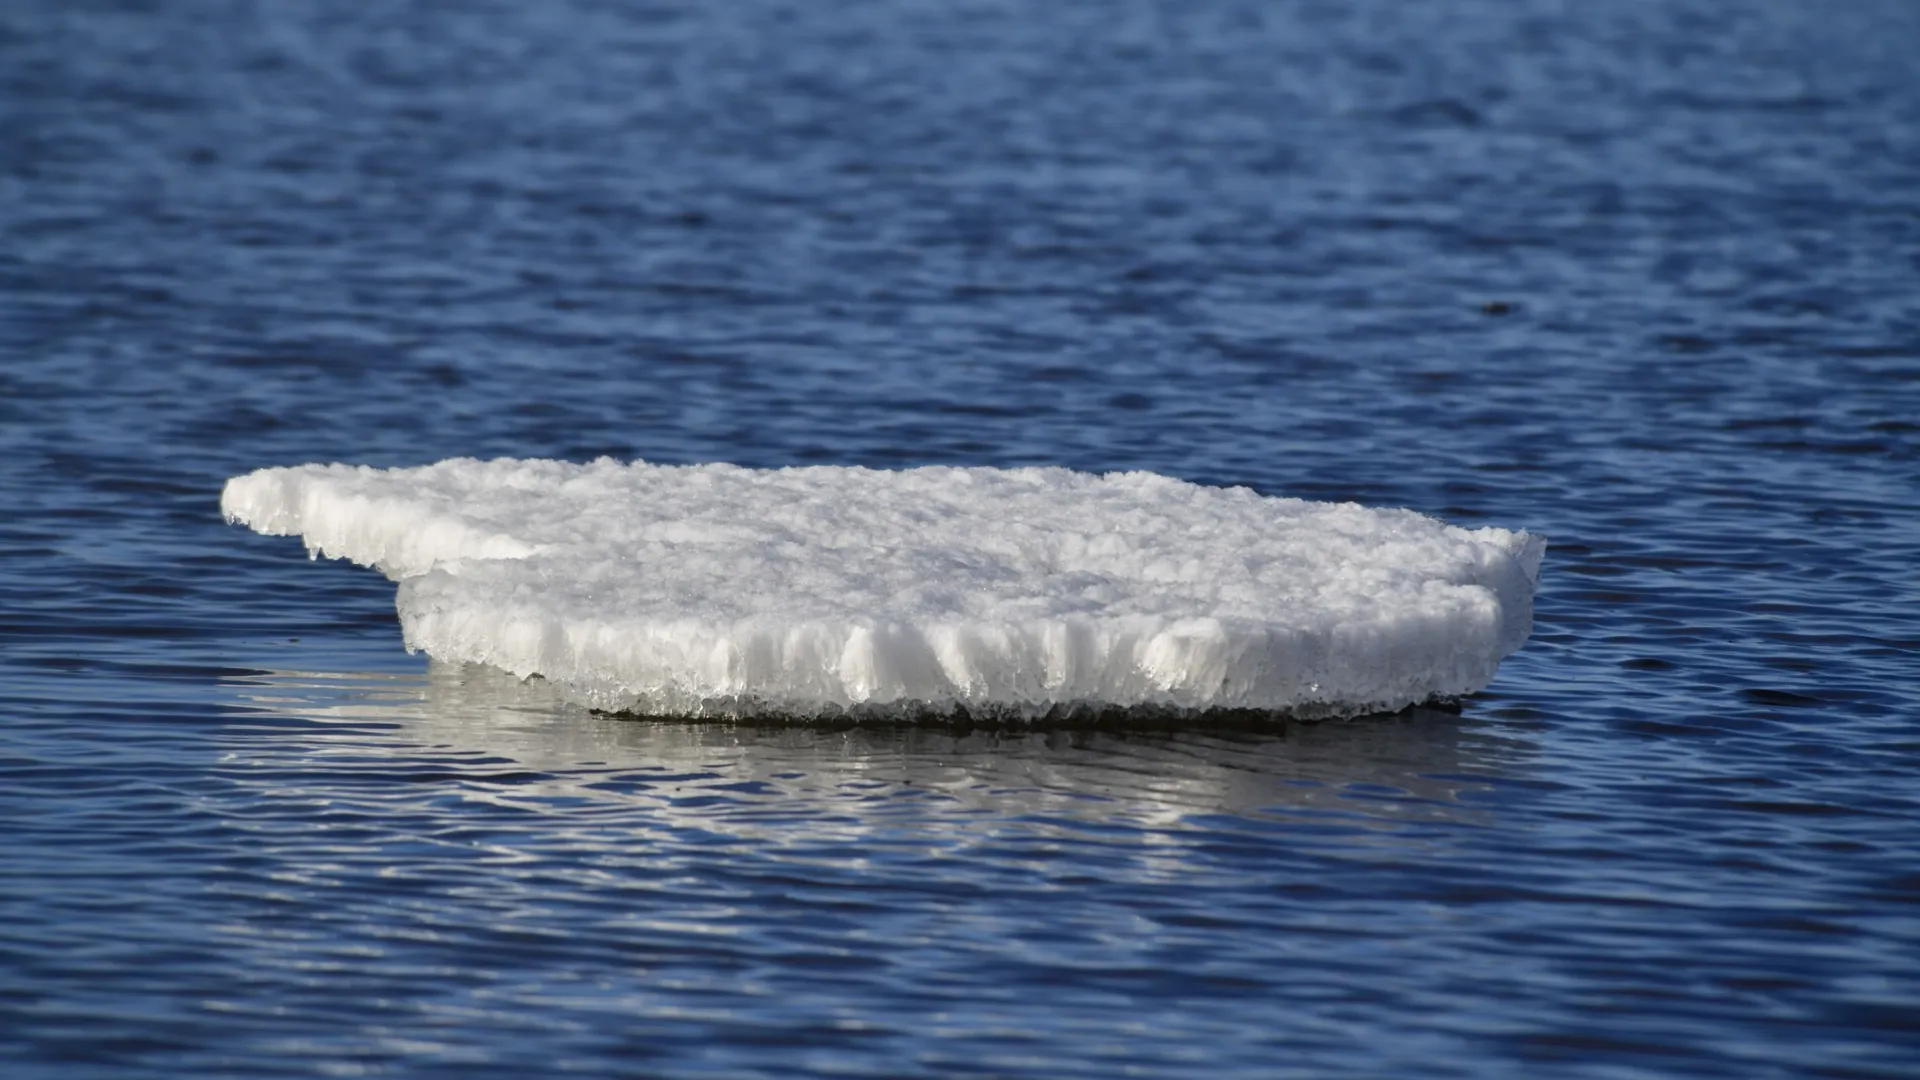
517, 742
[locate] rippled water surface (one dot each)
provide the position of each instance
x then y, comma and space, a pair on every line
1644, 277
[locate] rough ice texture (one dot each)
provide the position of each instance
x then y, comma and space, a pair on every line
715, 590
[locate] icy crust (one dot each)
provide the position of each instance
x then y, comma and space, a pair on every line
715, 590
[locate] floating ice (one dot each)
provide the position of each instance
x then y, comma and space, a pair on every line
715, 590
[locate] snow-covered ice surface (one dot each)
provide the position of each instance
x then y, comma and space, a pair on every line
716, 590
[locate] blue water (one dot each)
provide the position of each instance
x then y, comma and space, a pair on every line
1642, 275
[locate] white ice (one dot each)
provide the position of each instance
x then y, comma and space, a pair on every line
716, 590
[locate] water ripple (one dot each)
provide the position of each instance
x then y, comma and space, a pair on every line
1638, 277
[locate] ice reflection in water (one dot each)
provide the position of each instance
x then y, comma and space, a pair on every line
515, 744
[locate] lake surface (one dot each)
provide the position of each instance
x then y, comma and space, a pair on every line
1641, 276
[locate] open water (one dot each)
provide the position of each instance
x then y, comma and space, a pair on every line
1642, 275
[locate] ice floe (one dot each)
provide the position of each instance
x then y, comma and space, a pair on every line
717, 590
